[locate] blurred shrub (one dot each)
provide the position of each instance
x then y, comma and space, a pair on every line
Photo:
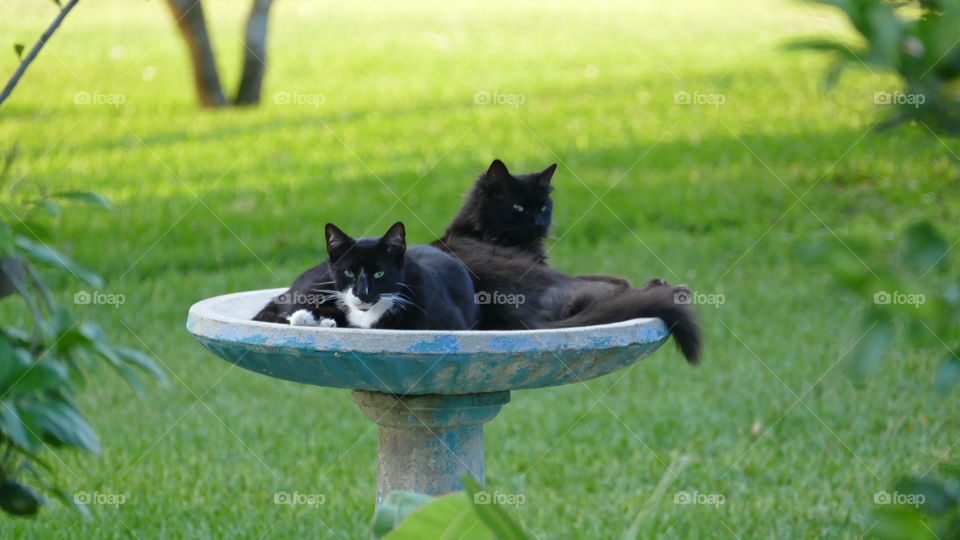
42, 366
910, 290
914, 39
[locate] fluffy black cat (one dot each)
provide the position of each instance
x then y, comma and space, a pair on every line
552, 299
513, 211
507, 210
498, 234
380, 283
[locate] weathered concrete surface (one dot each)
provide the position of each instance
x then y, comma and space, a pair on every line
417, 362
428, 442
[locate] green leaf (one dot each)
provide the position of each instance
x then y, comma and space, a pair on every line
493, 514
142, 361
32, 229
923, 248
40, 377
948, 373
883, 30
12, 275
14, 427
817, 44
19, 500
18, 361
870, 350
18, 50
7, 360
932, 496
84, 197
450, 517
52, 257
68, 500
49, 207
62, 422
395, 507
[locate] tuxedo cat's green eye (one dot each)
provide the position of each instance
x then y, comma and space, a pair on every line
518, 208
543, 208
348, 273
378, 275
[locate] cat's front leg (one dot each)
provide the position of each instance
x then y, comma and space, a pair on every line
303, 317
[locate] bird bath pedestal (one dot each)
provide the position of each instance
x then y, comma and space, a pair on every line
429, 391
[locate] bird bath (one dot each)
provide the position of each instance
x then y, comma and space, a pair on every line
429, 391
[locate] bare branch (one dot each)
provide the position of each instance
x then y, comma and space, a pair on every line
12, 83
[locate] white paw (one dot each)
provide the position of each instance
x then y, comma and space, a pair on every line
302, 317
327, 323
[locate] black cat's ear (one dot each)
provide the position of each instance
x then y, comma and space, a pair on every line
497, 171
546, 175
395, 241
336, 239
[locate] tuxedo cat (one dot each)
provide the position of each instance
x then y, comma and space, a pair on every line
380, 283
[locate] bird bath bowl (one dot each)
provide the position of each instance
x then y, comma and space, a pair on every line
429, 391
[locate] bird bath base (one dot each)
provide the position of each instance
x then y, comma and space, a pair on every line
427, 443
429, 391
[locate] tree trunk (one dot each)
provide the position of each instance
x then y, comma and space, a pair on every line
193, 27
254, 54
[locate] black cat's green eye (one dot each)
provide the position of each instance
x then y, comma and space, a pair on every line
518, 208
543, 208
348, 273
378, 275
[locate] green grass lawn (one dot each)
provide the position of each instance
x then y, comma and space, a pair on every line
215, 202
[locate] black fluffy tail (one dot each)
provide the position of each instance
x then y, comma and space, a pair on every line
667, 303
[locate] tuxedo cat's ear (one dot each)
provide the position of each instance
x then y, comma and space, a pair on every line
497, 171
336, 239
546, 175
395, 241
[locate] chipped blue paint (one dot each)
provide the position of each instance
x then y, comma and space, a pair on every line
442, 343
512, 343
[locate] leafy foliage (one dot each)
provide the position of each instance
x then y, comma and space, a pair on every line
920, 507
42, 367
914, 39
463, 514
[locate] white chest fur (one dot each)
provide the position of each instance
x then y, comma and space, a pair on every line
361, 318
